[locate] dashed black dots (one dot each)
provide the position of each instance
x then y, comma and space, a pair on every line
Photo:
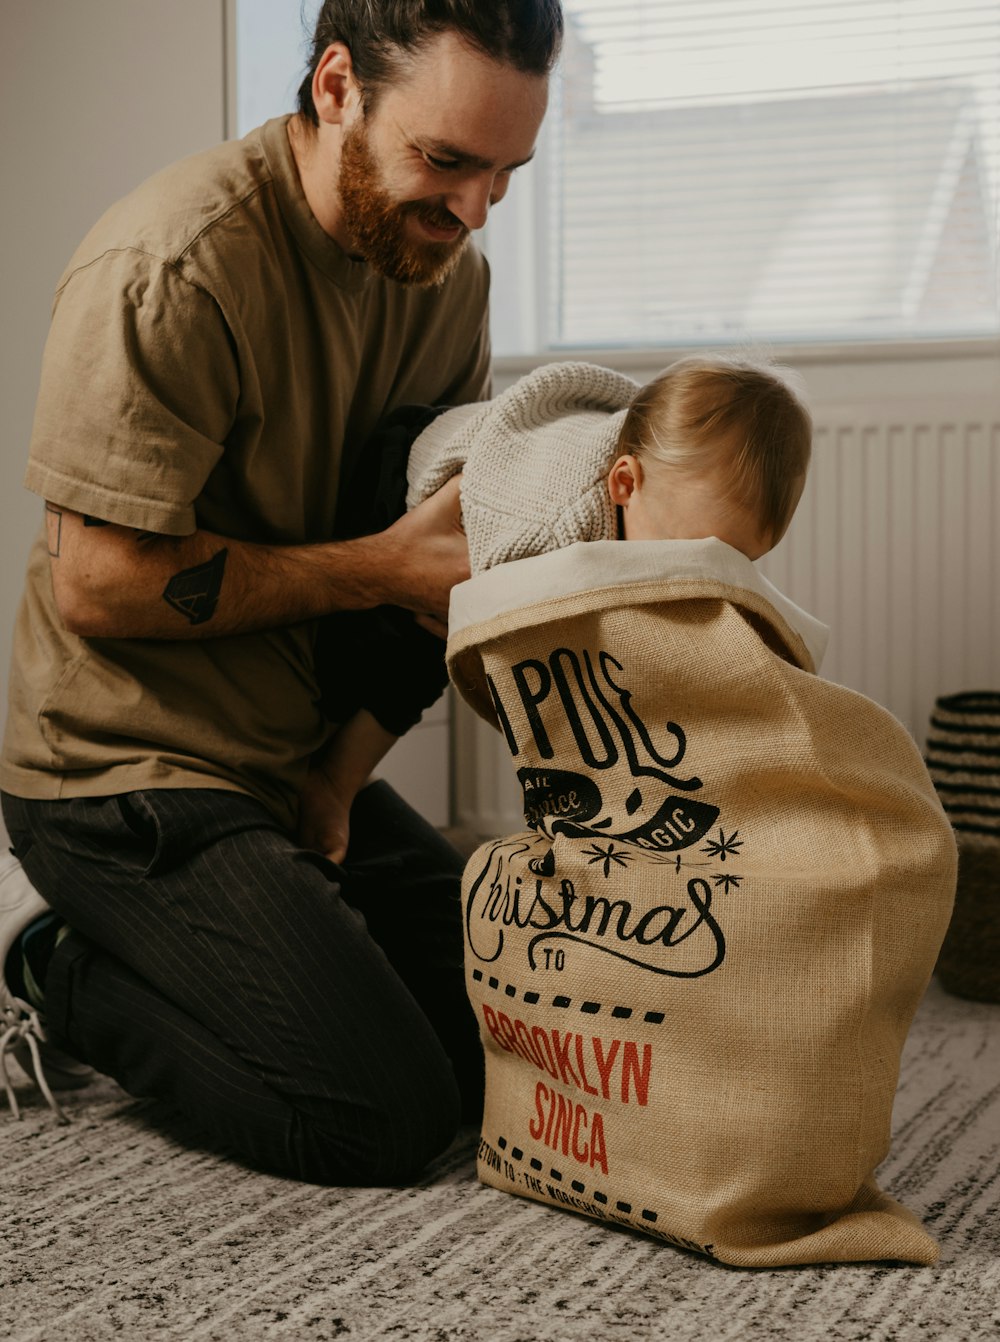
597, 1197
563, 1003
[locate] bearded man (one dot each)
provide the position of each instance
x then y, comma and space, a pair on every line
222, 344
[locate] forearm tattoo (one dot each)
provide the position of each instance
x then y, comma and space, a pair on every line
194, 592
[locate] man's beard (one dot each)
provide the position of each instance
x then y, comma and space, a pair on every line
377, 224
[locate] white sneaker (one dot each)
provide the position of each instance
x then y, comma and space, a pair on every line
22, 1033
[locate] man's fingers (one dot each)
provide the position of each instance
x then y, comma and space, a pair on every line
443, 508
430, 554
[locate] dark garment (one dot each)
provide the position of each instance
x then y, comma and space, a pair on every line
373, 494
380, 659
313, 1017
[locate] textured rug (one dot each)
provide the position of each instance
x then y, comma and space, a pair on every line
118, 1226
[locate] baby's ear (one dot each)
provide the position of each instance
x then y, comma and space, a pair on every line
624, 478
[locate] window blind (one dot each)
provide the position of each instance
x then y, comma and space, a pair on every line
770, 170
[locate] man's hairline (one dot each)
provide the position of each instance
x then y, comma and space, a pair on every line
403, 56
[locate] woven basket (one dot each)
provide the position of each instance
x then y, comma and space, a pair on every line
963, 756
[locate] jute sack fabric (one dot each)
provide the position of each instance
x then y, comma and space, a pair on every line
695, 969
963, 755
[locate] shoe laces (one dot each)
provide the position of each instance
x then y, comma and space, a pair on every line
20, 1024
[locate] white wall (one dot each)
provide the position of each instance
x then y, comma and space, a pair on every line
94, 97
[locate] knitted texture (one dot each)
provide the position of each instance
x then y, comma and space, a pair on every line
535, 461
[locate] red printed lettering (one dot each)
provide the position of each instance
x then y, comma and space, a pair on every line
583, 1071
562, 1058
490, 1017
569, 1128
604, 1064
630, 1067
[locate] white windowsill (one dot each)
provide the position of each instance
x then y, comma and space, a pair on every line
837, 353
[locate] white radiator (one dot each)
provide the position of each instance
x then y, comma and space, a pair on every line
895, 545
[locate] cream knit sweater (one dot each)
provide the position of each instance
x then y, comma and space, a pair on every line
535, 461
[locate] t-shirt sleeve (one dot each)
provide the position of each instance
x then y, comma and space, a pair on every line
139, 389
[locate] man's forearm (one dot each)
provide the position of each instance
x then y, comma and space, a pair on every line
113, 582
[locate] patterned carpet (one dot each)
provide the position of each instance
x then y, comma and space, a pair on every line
115, 1227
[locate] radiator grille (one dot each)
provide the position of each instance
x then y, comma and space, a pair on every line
894, 546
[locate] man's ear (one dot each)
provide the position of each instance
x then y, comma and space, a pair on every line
624, 478
334, 88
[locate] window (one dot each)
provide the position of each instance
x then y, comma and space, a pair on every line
723, 171
269, 52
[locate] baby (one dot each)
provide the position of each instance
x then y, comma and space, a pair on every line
712, 446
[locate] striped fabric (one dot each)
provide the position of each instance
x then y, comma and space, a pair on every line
310, 1017
963, 756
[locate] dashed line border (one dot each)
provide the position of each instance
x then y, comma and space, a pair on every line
565, 1003
601, 1198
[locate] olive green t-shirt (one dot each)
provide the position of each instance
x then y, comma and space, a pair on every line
214, 357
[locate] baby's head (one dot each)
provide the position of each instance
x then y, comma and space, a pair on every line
713, 446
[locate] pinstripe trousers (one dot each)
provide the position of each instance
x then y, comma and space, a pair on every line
312, 1017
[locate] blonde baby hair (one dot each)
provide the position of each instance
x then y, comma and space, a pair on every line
706, 411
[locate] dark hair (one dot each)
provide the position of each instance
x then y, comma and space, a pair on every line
380, 34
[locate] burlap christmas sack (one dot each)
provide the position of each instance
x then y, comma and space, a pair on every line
695, 969
963, 755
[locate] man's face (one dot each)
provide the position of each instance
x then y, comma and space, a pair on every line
422, 169
380, 226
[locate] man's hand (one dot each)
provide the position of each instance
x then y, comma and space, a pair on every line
432, 556
337, 776
324, 817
